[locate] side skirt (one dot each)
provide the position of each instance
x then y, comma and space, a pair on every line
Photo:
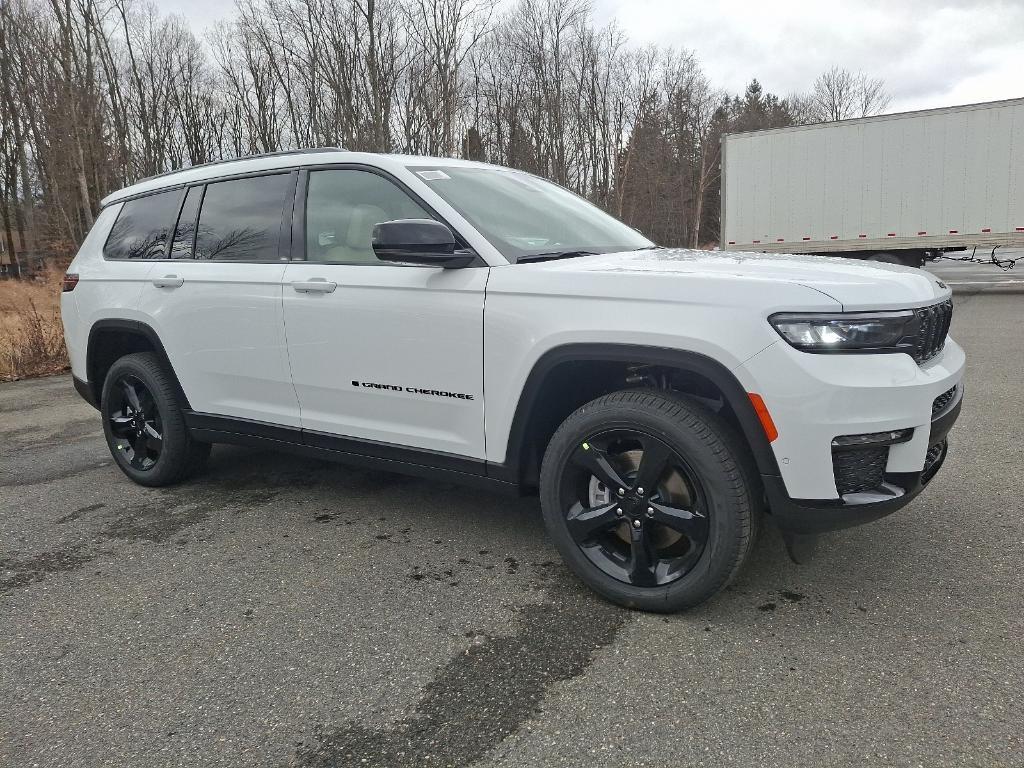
368, 454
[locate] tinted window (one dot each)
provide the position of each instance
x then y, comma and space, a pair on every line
342, 207
240, 220
143, 226
184, 233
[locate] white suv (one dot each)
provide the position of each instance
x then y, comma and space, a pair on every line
464, 321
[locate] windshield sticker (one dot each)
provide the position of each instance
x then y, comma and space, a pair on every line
432, 175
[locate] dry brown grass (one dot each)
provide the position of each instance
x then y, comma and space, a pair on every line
31, 335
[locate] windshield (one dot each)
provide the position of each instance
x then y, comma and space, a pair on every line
522, 215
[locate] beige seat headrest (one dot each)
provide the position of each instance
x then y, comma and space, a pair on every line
360, 226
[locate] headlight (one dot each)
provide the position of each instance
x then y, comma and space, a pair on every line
847, 332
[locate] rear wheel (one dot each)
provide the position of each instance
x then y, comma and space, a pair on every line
144, 425
650, 499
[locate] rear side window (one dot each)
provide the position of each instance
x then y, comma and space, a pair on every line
240, 220
143, 227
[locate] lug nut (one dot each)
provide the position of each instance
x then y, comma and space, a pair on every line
622, 491
640, 491
650, 511
636, 523
618, 510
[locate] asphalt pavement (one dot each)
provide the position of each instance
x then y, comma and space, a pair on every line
279, 611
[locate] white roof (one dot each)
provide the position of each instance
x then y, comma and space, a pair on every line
271, 162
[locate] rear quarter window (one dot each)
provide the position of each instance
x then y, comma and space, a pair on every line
143, 227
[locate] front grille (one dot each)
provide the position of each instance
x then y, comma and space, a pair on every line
932, 328
939, 403
859, 469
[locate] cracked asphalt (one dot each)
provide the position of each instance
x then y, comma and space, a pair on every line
279, 611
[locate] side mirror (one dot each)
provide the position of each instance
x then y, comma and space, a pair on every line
419, 241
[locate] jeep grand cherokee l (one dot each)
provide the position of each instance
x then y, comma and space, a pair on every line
464, 321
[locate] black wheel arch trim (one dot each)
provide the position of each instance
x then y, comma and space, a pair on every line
138, 328
84, 389
684, 360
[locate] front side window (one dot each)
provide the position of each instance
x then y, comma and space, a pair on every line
240, 219
342, 207
143, 226
522, 215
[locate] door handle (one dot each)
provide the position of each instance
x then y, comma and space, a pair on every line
316, 285
168, 281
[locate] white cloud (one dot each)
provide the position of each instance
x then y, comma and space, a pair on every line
929, 53
200, 14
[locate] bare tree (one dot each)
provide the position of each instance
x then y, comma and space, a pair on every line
97, 93
839, 94
444, 32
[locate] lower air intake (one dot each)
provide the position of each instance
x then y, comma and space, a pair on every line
859, 469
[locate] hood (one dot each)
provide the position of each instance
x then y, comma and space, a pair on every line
856, 284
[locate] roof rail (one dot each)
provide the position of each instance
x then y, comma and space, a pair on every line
280, 153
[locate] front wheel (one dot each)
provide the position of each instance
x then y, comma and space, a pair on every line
144, 425
650, 498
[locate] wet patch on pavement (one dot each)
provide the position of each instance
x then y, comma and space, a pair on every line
159, 517
154, 522
70, 517
18, 572
41, 438
20, 472
484, 694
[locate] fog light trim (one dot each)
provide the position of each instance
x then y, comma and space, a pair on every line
890, 437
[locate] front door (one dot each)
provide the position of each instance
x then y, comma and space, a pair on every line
380, 352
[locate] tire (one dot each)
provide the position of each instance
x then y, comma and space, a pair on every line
146, 431
709, 473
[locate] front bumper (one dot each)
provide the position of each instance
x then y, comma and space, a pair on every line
814, 399
809, 516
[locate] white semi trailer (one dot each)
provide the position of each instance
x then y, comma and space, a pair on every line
901, 188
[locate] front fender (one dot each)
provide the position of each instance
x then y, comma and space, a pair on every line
510, 468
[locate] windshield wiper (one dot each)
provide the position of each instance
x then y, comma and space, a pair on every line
552, 255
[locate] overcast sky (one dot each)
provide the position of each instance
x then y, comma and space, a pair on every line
931, 53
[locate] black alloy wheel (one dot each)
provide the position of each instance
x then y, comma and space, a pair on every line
135, 423
634, 507
651, 498
144, 423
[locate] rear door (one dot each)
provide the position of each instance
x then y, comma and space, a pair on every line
215, 299
380, 353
